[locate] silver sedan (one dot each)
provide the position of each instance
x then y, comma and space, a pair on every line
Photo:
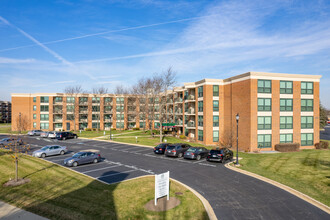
50, 150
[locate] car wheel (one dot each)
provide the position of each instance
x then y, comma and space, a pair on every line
198, 157
64, 138
62, 152
75, 164
180, 155
43, 155
75, 137
95, 160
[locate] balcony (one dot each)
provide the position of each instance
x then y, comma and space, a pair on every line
57, 120
191, 98
83, 112
178, 111
169, 101
108, 120
178, 100
83, 120
108, 103
108, 111
191, 125
83, 103
191, 111
58, 111
58, 103
131, 119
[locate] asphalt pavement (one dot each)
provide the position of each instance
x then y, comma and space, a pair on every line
325, 135
232, 195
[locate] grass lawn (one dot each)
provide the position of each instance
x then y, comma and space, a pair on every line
307, 171
153, 141
57, 193
6, 128
93, 134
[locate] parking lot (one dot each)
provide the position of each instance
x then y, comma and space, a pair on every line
232, 195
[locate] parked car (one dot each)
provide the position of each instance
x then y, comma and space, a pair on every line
176, 150
82, 158
10, 141
52, 134
44, 134
65, 135
160, 148
35, 132
220, 155
196, 153
50, 150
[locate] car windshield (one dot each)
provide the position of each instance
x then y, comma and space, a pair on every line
161, 145
216, 152
77, 155
192, 149
45, 148
170, 147
5, 139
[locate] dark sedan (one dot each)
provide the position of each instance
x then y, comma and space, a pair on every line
196, 153
176, 150
65, 135
220, 155
82, 158
160, 148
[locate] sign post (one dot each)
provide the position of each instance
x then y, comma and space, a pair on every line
162, 186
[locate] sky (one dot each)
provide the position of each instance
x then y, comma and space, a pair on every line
46, 46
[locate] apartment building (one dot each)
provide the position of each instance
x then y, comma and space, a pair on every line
5, 112
273, 108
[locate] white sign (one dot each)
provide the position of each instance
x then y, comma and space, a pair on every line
162, 186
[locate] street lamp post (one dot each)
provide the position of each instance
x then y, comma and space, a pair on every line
110, 126
237, 118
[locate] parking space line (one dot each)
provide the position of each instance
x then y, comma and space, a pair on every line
55, 160
141, 150
199, 161
101, 169
114, 174
209, 165
132, 148
85, 165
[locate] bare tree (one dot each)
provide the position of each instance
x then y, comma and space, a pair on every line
22, 122
227, 139
73, 91
97, 92
168, 80
141, 90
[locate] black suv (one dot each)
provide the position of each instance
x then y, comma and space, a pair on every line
220, 155
176, 150
160, 148
65, 135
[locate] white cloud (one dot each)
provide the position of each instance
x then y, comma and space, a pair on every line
5, 60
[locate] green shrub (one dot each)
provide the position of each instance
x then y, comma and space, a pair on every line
137, 129
88, 129
182, 136
287, 147
113, 129
322, 145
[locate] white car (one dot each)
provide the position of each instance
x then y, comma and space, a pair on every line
44, 134
50, 150
52, 134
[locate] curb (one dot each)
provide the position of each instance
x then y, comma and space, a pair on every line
117, 142
284, 187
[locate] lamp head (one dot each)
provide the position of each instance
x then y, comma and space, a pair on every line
237, 117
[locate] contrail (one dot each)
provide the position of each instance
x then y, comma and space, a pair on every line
57, 56
105, 32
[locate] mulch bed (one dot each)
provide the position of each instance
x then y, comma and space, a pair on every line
16, 183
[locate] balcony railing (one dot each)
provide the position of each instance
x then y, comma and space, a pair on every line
83, 112
191, 124
191, 97
178, 111
58, 102
58, 120
83, 103
178, 100
108, 120
107, 103
58, 111
83, 120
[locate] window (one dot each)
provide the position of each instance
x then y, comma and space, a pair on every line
44, 108
70, 99
69, 117
107, 100
286, 87
34, 124
286, 138
264, 86
264, 104
108, 125
156, 125
58, 99
119, 108
215, 106
44, 125
215, 121
83, 100
215, 136
200, 135
306, 87
142, 124
95, 108
107, 108
306, 122
286, 105
58, 125
307, 139
307, 105
34, 116
200, 106
120, 124
44, 99
215, 90
200, 120
95, 117
286, 122
185, 95
120, 117
264, 140
34, 99
96, 100
70, 108
264, 123
107, 116
34, 108
200, 91
95, 125
44, 117
120, 101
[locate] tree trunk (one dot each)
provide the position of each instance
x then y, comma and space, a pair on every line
16, 166
161, 133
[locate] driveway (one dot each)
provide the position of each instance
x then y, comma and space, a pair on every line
232, 195
325, 135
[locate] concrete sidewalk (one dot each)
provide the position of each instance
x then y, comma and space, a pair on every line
10, 212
